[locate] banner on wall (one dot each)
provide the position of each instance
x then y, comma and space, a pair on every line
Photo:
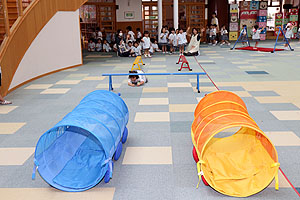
248, 14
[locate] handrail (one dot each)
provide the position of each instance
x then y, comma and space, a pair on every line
25, 30
110, 87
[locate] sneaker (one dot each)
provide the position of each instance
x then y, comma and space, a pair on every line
149, 56
170, 53
146, 55
214, 44
228, 44
164, 52
210, 43
221, 44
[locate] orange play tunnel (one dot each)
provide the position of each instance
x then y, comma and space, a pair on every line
238, 165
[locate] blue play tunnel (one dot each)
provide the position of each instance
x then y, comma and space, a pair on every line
76, 154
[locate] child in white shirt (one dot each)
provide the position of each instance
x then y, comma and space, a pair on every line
138, 33
99, 46
163, 39
288, 34
99, 33
91, 45
256, 35
172, 37
213, 34
136, 80
131, 33
181, 40
155, 45
146, 44
224, 36
136, 49
106, 46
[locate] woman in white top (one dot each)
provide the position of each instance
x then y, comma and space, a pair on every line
131, 33
193, 48
164, 39
214, 20
146, 44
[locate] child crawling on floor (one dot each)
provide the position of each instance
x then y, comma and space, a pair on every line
136, 80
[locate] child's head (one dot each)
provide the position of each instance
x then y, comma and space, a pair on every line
99, 41
244, 26
215, 25
180, 30
256, 27
163, 30
133, 77
214, 14
138, 29
130, 44
135, 44
172, 30
138, 40
211, 26
177, 31
104, 41
91, 40
146, 34
129, 28
224, 27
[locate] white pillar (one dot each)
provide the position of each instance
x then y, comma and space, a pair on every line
160, 16
175, 18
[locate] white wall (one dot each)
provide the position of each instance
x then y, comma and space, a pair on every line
57, 46
134, 5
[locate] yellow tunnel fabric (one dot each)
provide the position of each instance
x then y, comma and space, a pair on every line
239, 165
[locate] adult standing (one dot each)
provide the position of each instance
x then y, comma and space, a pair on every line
214, 20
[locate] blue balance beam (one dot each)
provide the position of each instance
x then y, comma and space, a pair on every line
155, 74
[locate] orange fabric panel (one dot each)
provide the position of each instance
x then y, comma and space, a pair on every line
239, 165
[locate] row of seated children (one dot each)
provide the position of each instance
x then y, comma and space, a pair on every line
100, 46
212, 35
132, 49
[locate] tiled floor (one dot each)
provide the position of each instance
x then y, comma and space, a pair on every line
156, 162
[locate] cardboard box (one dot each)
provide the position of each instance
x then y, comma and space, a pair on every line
262, 24
234, 8
254, 5
263, 5
263, 36
234, 27
278, 16
233, 18
244, 5
294, 18
262, 13
233, 36
294, 11
262, 19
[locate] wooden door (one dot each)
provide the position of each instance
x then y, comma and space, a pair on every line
150, 16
